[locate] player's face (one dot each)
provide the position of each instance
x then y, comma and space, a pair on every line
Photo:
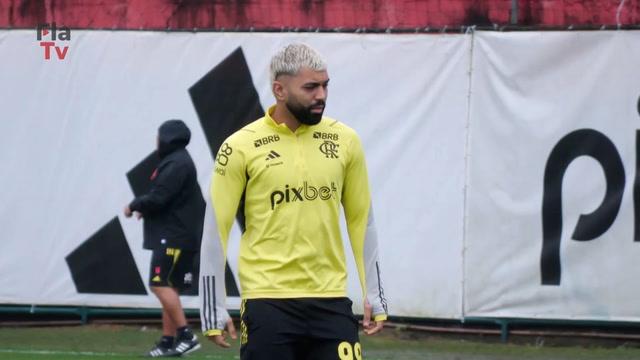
307, 95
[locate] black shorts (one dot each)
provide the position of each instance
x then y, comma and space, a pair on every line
171, 267
299, 329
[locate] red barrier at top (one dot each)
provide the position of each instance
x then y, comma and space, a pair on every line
264, 14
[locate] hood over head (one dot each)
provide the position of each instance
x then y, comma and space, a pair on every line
172, 135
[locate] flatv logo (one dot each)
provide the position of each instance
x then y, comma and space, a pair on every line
54, 34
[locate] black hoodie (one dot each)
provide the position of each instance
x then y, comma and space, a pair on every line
173, 209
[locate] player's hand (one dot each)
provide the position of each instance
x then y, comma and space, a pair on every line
370, 327
220, 340
127, 211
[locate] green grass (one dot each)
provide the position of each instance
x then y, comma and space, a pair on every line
127, 342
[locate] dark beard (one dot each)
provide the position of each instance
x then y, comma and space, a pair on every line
303, 113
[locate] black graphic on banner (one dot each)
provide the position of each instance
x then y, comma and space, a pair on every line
139, 177
140, 181
583, 142
225, 100
104, 264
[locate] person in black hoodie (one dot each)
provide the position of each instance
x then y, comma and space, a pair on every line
173, 214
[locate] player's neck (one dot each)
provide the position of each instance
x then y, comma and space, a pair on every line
282, 115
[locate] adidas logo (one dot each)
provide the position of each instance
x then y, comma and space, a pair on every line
272, 155
156, 279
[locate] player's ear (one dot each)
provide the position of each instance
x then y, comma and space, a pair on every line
279, 90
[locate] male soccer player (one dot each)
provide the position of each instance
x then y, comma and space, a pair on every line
173, 212
290, 171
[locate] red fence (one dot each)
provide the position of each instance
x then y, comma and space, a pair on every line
275, 14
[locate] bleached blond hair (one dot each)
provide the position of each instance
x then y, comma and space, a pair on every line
292, 57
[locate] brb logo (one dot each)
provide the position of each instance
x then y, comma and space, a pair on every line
307, 192
63, 34
266, 140
592, 143
325, 136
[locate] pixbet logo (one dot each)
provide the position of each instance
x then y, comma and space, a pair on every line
307, 192
62, 33
594, 144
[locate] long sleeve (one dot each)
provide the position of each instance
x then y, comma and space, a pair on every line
227, 186
170, 181
356, 200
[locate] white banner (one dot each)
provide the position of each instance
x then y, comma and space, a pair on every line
547, 229
78, 129
554, 153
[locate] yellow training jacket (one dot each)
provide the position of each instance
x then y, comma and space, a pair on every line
291, 186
